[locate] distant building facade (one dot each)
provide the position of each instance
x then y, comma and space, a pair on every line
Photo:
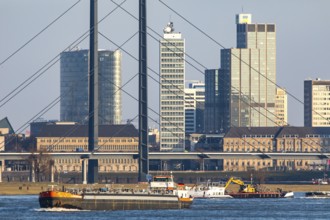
74, 86
281, 107
276, 139
213, 120
6, 132
317, 103
249, 76
172, 75
68, 137
194, 107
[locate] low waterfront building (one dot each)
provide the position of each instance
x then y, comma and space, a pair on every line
275, 139
68, 137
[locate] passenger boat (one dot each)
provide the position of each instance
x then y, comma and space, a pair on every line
162, 194
208, 190
318, 194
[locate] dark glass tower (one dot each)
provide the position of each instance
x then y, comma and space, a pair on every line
74, 86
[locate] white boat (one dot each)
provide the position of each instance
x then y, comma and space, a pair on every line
165, 184
209, 190
289, 195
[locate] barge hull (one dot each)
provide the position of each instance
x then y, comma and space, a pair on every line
256, 195
116, 202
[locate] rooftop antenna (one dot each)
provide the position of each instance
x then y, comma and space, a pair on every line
242, 9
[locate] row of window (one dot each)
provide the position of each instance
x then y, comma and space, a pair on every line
253, 163
111, 161
174, 43
84, 147
172, 54
173, 76
165, 81
175, 50
173, 60
170, 65
66, 140
172, 70
172, 108
101, 168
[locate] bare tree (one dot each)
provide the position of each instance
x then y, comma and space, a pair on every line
42, 162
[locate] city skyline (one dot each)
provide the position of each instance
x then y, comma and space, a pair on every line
300, 53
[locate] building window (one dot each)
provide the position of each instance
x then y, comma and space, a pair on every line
270, 28
251, 28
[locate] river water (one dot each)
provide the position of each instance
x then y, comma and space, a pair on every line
27, 207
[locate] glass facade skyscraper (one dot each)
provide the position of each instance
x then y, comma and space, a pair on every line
250, 76
194, 107
212, 117
74, 86
172, 108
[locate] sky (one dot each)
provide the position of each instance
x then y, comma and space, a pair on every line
302, 46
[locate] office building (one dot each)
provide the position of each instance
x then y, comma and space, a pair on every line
213, 121
281, 107
172, 73
249, 76
194, 107
74, 86
317, 103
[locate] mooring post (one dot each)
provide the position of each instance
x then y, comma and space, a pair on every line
84, 170
52, 171
0, 171
32, 173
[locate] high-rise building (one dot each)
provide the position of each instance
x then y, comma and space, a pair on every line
317, 103
213, 123
74, 86
249, 76
281, 107
194, 107
172, 71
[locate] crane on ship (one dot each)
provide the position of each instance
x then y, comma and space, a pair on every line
245, 188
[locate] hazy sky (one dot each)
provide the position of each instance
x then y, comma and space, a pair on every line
302, 45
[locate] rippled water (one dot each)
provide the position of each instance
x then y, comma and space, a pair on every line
27, 207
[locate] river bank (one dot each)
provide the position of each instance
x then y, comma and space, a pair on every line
19, 188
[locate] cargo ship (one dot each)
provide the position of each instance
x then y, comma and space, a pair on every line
162, 193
